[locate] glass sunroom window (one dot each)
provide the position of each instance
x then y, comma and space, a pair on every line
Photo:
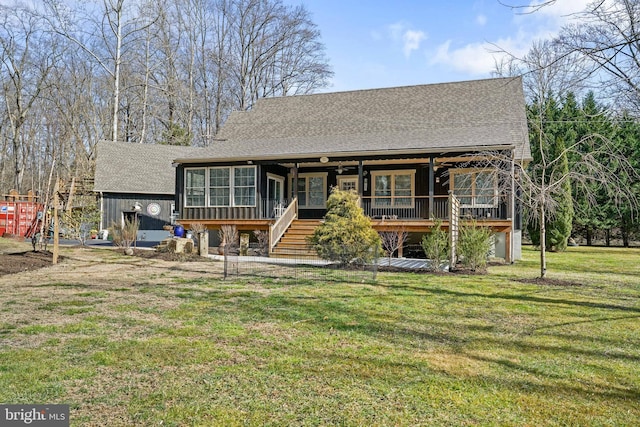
219, 187
195, 185
244, 186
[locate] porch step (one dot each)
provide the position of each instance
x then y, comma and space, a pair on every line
294, 244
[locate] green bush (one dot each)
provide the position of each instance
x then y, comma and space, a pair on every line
474, 244
436, 245
346, 235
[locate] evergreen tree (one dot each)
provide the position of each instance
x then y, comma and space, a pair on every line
627, 139
594, 208
550, 162
346, 235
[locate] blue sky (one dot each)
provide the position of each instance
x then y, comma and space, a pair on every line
384, 43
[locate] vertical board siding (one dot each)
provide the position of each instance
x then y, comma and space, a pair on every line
115, 204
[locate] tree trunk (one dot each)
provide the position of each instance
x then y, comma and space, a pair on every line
543, 243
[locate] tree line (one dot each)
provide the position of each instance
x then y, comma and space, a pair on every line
592, 202
583, 104
141, 71
170, 71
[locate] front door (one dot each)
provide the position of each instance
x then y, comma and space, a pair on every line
275, 195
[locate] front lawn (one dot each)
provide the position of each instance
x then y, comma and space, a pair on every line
168, 344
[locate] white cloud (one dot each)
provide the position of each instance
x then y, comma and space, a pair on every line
560, 9
477, 59
412, 40
481, 20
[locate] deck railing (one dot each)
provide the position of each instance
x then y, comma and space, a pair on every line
397, 207
425, 207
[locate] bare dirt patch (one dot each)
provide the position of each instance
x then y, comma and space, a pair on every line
17, 262
24, 261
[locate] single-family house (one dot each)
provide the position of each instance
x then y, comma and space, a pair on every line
402, 149
137, 181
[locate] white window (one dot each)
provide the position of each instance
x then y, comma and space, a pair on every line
475, 188
312, 190
348, 182
393, 188
221, 186
195, 186
244, 186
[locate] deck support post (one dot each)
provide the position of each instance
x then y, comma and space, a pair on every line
431, 186
360, 180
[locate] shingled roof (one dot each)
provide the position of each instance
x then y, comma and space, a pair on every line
137, 168
462, 116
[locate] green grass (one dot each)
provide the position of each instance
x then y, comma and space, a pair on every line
407, 350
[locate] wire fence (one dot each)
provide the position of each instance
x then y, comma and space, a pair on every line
299, 265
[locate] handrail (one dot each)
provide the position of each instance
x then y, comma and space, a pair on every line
278, 228
454, 219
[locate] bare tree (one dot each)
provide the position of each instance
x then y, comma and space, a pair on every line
607, 39
266, 34
393, 240
103, 34
603, 44
598, 165
25, 70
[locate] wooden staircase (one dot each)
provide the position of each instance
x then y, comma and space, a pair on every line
293, 243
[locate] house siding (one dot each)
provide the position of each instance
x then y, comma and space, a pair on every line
115, 204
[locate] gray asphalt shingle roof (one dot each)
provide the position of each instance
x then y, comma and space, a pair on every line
137, 168
447, 116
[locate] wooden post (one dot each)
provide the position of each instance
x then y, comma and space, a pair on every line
70, 198
431, 187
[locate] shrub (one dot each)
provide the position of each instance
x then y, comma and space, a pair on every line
124, 235
436, 246
346, 235
474, 244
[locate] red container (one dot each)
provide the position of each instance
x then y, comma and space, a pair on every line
16, 218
